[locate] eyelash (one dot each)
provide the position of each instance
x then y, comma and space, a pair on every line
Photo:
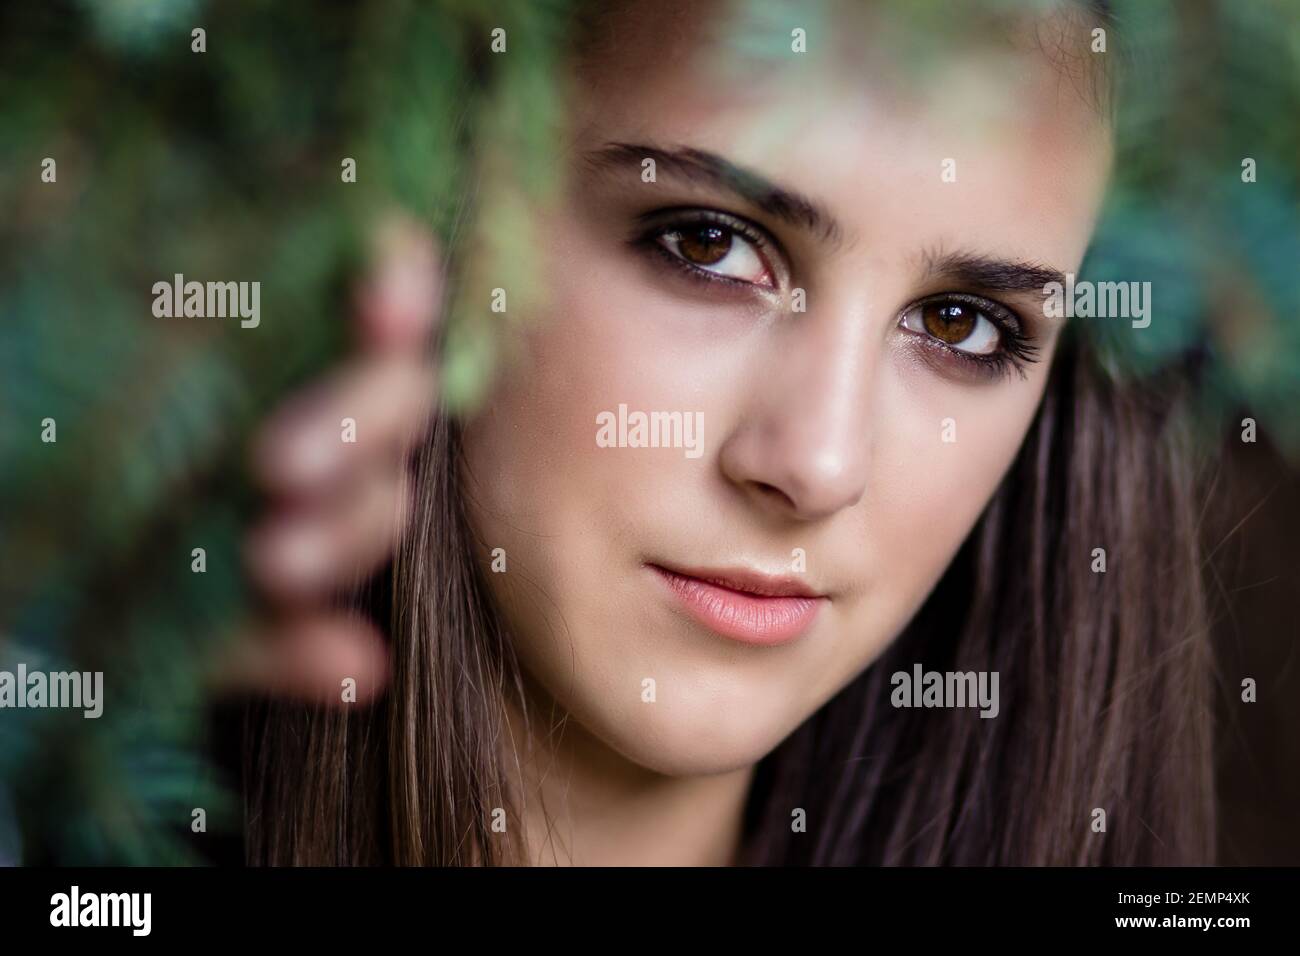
1016, 350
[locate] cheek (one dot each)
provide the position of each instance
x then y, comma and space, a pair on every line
924, 497
940, 453
541, 488
534, 445
607, 337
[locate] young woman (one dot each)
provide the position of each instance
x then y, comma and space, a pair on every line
820, 263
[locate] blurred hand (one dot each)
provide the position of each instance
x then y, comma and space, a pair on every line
337, 507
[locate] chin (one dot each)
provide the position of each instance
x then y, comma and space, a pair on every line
682, 741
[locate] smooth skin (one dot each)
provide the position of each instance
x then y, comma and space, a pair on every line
824, 429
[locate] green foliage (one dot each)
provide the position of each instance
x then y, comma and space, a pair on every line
1199, 92
223, 164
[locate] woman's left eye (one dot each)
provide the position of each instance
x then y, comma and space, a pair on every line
719, 250
958, 324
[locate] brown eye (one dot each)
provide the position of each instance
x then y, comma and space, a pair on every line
704, 245
962, 326
718, 249
950, 322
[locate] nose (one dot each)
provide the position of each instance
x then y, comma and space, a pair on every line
802, 444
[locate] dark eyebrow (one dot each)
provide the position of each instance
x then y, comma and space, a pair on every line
989, 273
714, 170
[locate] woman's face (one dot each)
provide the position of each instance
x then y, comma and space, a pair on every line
849, 433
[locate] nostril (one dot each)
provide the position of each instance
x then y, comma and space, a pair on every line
775, 494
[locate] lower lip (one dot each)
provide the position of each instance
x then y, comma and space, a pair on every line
750, 618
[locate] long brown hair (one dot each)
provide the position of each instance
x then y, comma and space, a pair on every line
1104, 683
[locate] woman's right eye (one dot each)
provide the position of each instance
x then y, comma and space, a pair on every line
719, 250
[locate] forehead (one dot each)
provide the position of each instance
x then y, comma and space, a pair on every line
876, 117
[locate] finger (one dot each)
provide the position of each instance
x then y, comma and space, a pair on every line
310, 658
304, 554
366, 416
397, 302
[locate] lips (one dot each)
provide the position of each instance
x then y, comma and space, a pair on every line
744, 605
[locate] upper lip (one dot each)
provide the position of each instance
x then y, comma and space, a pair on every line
747, 581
